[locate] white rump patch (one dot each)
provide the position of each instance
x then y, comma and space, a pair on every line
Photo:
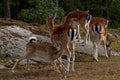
70, 33
32, 37
75, 32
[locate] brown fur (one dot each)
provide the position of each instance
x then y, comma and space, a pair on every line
80, 16
42, 46
60, 34
79, 22
44, 50
98, 38
102, 20
103, 31
61, 31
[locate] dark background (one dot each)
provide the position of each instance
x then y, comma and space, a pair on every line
37, 10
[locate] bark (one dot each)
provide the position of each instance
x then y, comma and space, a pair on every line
17, 8
6, 8
105, 10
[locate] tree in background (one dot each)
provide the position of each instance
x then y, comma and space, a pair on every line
37, 10
6, 8
68, 5
15, 7
109, 9
114, 13
40, 11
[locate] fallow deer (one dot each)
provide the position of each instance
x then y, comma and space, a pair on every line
98, 33
66, 35
81, 20
46, 51
101, 20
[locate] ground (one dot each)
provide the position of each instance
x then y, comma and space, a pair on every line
85, 69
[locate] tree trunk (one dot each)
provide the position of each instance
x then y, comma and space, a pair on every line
6, 8
17, 8
105, 9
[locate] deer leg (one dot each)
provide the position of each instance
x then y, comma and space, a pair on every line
95, 51
27, 64
73, 56
78, 32
86, 34
68, 63
66, 48
13, 68
60, 61
61, 64
26, 56
55, 66
105, 48
68, 59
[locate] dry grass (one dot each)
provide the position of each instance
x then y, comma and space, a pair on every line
86, 69
33, 27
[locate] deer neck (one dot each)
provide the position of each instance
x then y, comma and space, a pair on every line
51, 26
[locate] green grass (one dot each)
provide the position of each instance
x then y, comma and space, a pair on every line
115, 44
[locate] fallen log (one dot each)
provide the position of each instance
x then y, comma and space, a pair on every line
88, 49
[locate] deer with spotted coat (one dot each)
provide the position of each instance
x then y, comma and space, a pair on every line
98, 33
66, 35
44, 50
81, 20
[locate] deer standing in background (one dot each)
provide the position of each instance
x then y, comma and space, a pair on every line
81, 20
101, 20
98, 33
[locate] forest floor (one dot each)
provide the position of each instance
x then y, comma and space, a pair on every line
85, 69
